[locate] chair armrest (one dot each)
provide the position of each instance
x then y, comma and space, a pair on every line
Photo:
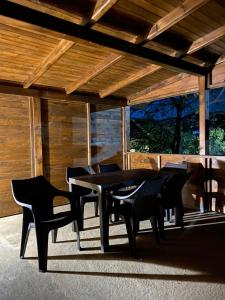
125, 194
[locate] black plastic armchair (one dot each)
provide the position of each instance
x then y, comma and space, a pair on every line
141, 204
87, 194
36, 196
171, 198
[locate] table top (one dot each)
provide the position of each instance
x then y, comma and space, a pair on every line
116, 177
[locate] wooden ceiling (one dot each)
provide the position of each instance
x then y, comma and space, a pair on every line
107, 51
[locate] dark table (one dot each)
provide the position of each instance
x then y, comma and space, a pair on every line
102, 183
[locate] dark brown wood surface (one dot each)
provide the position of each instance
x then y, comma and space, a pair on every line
15, 148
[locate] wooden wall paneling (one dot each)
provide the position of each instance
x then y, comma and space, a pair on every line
36, 136
218, 183
106, 140
64, 139
15, 154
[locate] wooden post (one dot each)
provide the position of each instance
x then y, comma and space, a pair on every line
124, 137
203, 116
36, 136
88, 134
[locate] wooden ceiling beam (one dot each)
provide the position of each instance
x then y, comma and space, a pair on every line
172, 18
101, 7
144, 94
57, 95
130, 79
52, 10
53, 56
206, 39
221, 59
99, 68
73, 32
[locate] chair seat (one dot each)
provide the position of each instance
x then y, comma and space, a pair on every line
90, 198
59, 220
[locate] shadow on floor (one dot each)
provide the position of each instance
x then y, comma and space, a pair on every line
199, 248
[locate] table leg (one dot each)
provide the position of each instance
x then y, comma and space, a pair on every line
104, 220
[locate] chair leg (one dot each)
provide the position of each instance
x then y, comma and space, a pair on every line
42, 245
116, 206
78, 234
131, 234
81, 220
179, 216
96, 208
81, 217
54, 235
27, 225
161, 222
155, 229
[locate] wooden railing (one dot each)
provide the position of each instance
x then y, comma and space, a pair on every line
197, 188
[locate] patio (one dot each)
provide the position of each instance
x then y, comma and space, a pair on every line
69, 72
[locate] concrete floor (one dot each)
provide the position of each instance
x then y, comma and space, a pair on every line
189, 264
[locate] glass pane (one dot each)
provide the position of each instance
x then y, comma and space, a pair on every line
166, 126
216, 121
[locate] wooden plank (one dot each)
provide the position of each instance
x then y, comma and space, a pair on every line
50, 9
105, 64
55, 54
70, 31
170, 19
221, 59
203, 117
206, 39
36, 136
61, 96
15, 152
124, 137
101, 7
130, 79
88, 134
144, 94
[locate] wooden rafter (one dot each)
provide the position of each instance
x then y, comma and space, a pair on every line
176, 15
47, 8
73, 32
60, 95
99, 68
144, 94
101, 7
130, 79
53, 56
221, 59
206, 39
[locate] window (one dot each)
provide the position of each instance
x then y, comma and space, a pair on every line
217, 121
166, 126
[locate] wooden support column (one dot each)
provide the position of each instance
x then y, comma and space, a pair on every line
124, 137
88, 134
36, 136
203, 116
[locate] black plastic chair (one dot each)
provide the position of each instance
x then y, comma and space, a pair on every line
171, 198
173, 168
36, 196
87, 194
141, 204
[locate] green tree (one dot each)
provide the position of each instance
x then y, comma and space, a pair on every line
216, 141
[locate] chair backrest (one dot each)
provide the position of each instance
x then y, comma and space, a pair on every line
172, 188
104, 168
175, 167
76, 172
36, 194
